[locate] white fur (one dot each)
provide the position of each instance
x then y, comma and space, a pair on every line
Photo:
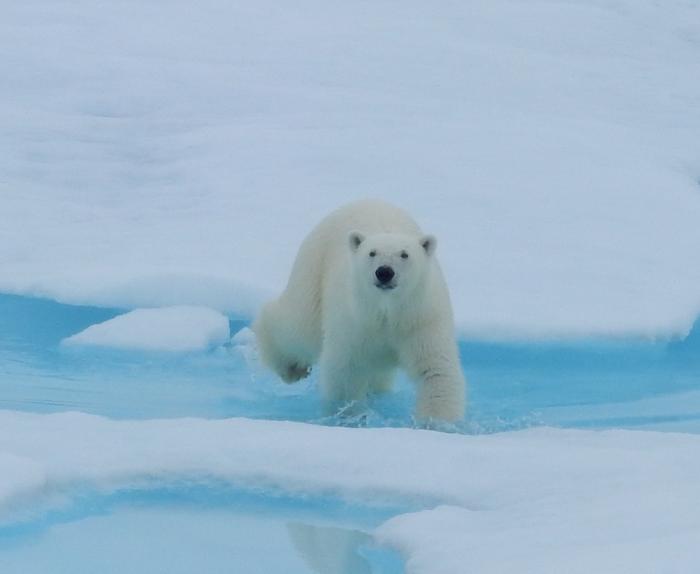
333, 312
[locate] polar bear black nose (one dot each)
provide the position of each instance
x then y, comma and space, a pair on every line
384, 274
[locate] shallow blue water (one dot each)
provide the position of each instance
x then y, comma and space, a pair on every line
591, 384
582, 384
205, 528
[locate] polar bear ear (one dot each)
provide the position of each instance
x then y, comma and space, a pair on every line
355, 239
429, 243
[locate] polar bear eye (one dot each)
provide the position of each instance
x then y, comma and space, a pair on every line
372, 253
404, 255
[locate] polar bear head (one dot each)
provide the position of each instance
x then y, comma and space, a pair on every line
390, 263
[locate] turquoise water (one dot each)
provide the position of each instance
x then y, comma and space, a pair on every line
190, 529
592, 384
185, 528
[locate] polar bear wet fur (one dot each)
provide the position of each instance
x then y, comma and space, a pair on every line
366, 296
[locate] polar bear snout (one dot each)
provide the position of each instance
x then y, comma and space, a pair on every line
384, 275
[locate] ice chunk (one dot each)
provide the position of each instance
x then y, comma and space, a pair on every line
181, 328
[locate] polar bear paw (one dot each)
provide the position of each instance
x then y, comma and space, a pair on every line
295, 372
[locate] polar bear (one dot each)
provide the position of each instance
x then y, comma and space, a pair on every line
366, 296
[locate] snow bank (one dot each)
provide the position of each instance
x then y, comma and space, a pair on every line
599, 537
551, 146
164, 329
540, 500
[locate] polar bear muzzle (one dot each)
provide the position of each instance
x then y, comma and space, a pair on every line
384, 275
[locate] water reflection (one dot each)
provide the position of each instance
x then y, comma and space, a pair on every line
330, 550
198, 530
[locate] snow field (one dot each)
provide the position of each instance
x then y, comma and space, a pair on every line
173, 154
539, 500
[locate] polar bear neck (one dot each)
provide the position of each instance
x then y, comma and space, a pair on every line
392, 312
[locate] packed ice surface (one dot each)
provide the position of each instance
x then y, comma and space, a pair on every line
183, 328
176, 153
541, 500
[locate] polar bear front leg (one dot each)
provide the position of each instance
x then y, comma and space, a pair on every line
284, 344
343, 386
431, 359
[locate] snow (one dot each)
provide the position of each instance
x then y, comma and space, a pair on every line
176, 154
180, 328
168, 159
542, 500
450, 539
